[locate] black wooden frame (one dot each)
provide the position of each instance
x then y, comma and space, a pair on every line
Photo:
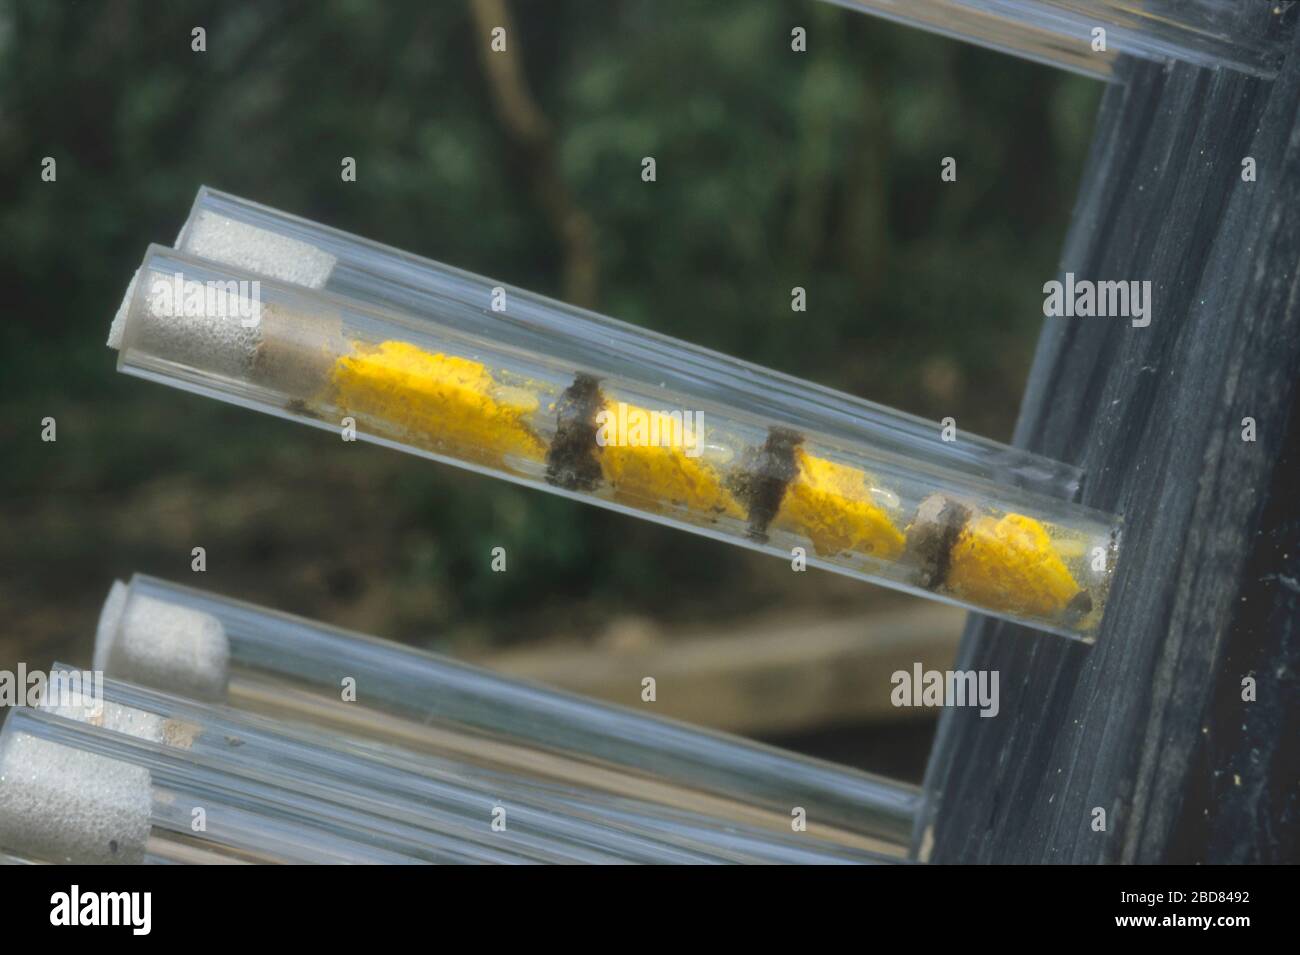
1149, 724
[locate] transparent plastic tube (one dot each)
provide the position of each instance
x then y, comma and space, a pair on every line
271, 244
74, 793
314, 765
727, 453
1060, 32
537, 824
159, 634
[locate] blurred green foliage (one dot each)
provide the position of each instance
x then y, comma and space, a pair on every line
775, 169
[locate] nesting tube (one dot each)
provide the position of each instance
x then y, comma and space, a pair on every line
444, 799
290, 668
440, 363
76, 788
62, 804
1063, 32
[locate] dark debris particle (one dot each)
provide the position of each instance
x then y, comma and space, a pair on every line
1080, 604
932, 536
763, 478
572, 460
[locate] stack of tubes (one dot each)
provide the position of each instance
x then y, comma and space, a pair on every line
278, 314
214, 731
230, 733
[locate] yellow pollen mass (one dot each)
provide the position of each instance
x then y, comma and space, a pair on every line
1010, 565
832, 505
443, 402
650, 476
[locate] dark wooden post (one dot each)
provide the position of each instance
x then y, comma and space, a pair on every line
1149, 724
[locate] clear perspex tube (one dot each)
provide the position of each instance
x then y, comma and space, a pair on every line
159, 634
71, 792
548, 396
543, 825
271, 244
1061, 33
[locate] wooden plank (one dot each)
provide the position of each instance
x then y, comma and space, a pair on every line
1212, 531
774, 679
